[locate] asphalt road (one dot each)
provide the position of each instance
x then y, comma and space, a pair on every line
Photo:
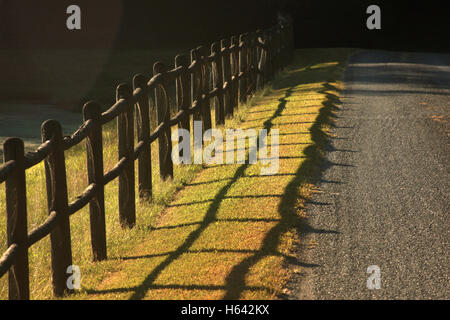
384, 197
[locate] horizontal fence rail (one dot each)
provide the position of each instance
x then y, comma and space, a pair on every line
224, 75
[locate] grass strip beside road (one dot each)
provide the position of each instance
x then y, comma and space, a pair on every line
231, 232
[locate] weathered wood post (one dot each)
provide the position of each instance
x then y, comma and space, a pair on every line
94, 151
235, 70
195, 86
182, 95
204, 77
226, 68
277, 49
260, 59
242, 69
281, 47
274, 49
143, 131
163, 115
55, 172
182, 89
271, 54
125, 134
16, 220
218, 83
250, 63
254, 61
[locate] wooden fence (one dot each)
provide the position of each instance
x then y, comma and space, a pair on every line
232, 70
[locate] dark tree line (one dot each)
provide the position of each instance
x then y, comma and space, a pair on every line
406, 24
131, 23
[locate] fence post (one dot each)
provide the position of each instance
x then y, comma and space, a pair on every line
204, 76
196, 95
55, 172
250, 61
182, 89
16, 220
254, 61
260, 60
143, 131
235, 70
242, 69
277, 50
94, 151
182, 95
274, 52
163, 115
282, 47
125, 134
226, 69
218, 83
271, 54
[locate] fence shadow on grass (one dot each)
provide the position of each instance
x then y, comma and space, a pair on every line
309, 172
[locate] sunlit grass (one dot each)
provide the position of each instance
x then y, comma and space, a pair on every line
230, 233
227, 232
119, 241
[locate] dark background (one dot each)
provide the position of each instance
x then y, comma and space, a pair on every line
406, 25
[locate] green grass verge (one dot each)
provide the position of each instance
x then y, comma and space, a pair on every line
229, 232
119, 241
